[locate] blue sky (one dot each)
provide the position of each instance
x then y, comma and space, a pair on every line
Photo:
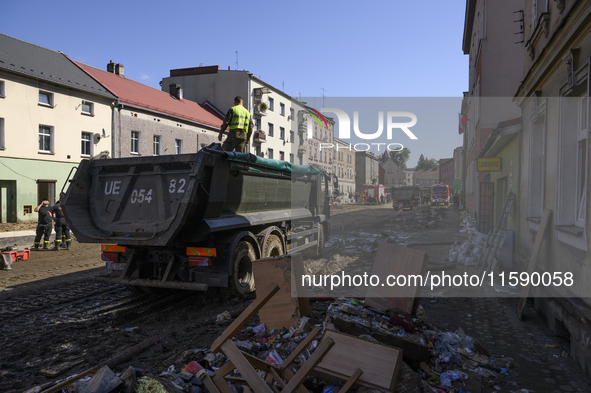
395, 48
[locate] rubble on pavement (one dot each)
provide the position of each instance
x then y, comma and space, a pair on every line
437, 360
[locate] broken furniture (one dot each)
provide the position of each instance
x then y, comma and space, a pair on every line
395, 260
284, 309
374, 365
284, 377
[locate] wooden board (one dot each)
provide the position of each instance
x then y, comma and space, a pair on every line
533, 259
282, 310
392, 259
380, 363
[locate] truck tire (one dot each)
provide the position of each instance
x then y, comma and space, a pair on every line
242, 279
273, 247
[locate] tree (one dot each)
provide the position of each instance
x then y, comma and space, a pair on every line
426, 164
421, 159
400, 157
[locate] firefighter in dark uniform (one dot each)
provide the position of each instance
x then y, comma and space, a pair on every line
43, 225
239, 121
62, 231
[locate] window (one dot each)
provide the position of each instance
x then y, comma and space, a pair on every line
156, 144
570, 216
282, 133
282, 109
270, 129
178, 146
2, 145
270, 153
291, 114
87, 108
86, 149
301, 160
271, 104
282, 156
538, 7
45, 98
45, 139
2, 89
135, 142
291, 158
291, 136
257, 123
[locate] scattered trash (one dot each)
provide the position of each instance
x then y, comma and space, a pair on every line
225, 316
131, 329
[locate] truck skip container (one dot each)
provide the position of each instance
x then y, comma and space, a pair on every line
197, 220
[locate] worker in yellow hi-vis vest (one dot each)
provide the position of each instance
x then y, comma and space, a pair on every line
239, 121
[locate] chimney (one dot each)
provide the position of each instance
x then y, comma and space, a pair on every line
176, 91
228, 68
115, 68
119, 69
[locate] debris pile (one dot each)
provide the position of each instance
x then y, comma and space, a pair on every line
469, 252
439, 361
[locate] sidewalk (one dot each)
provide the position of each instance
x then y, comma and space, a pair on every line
21, 238
536, 352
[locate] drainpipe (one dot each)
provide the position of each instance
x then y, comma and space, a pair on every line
113, 129
119, 133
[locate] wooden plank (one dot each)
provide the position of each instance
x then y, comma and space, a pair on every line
277, 378
300, 348
380, 363
283, 310
245, 368
533, 259
246, 315
352, 380
209, 383
392, 259
219, 377
288, 374
309, 366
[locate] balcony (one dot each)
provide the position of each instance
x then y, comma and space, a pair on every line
302, 150
303, 128
259, 137
260, 109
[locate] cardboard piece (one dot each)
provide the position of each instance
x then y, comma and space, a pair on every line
395, 260
379, 363
282, 310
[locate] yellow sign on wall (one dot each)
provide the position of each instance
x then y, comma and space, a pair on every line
489, 164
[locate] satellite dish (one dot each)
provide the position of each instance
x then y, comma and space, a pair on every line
97, 137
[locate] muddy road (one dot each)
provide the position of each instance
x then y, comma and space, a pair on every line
57, 319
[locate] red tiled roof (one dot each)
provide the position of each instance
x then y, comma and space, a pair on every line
134, 93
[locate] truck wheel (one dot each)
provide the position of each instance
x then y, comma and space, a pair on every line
242, 279
273, 247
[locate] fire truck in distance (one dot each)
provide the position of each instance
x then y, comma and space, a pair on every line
440, 194
374, 192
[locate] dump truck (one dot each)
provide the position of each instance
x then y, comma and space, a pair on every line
409, 196
195, 221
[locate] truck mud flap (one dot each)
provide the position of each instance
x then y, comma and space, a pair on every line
155, 283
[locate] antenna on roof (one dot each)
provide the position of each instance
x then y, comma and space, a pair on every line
236, 60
